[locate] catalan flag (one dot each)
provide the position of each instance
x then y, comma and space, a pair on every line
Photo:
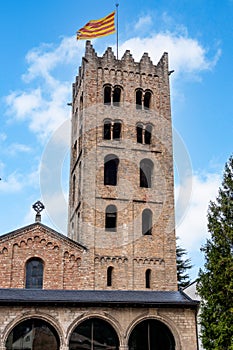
97, 28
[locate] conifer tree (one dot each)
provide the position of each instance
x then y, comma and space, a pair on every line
183, 265
215, 284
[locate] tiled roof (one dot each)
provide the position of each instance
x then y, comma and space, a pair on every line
96, 298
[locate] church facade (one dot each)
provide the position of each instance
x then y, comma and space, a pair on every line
111, 283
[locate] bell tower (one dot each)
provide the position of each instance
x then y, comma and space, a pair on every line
121, 197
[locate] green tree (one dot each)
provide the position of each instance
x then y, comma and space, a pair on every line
183, 265
215, 283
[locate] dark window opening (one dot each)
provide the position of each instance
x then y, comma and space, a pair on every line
148, 278
107, 130
110, 170
139, 99
81, 103
139, 133
33, 334
147, 222
146, 168
116, 130
147, 100
143, 179
111, 218
73, 189
34, 274
151, 334
116, 96
148, 131
109, 276
94, 334
107, 95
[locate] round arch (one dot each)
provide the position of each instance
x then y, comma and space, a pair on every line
35, 333
117, 95
146, 172
148, 95
111, 163
166, 325
34, 273
41, 316
93, 330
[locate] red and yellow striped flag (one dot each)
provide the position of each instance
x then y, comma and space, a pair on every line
97, 28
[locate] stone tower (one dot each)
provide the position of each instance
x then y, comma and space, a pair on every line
121, 199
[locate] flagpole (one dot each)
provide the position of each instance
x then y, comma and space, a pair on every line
117, 4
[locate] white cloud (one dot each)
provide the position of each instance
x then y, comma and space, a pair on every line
44, 114
15, 148
43, 59
16, 182
22, 103
192, 231
12, 184
44, 102
143, 22
186, 55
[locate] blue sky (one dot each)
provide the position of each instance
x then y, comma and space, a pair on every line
39, 60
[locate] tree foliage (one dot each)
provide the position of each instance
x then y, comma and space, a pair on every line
183, 265
215, 284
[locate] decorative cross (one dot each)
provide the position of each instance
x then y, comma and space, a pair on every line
38, 207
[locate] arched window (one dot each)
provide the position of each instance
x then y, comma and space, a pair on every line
147, 137
146, 170
139, 99
144, 133
116, 96
111, 218
139, 130
117, 130
107, 130
109, 276
147, 222
112, 130
107, 94
151, 334
147, 100
110, 169
34, 273
94, 333
148, 278
33, 334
